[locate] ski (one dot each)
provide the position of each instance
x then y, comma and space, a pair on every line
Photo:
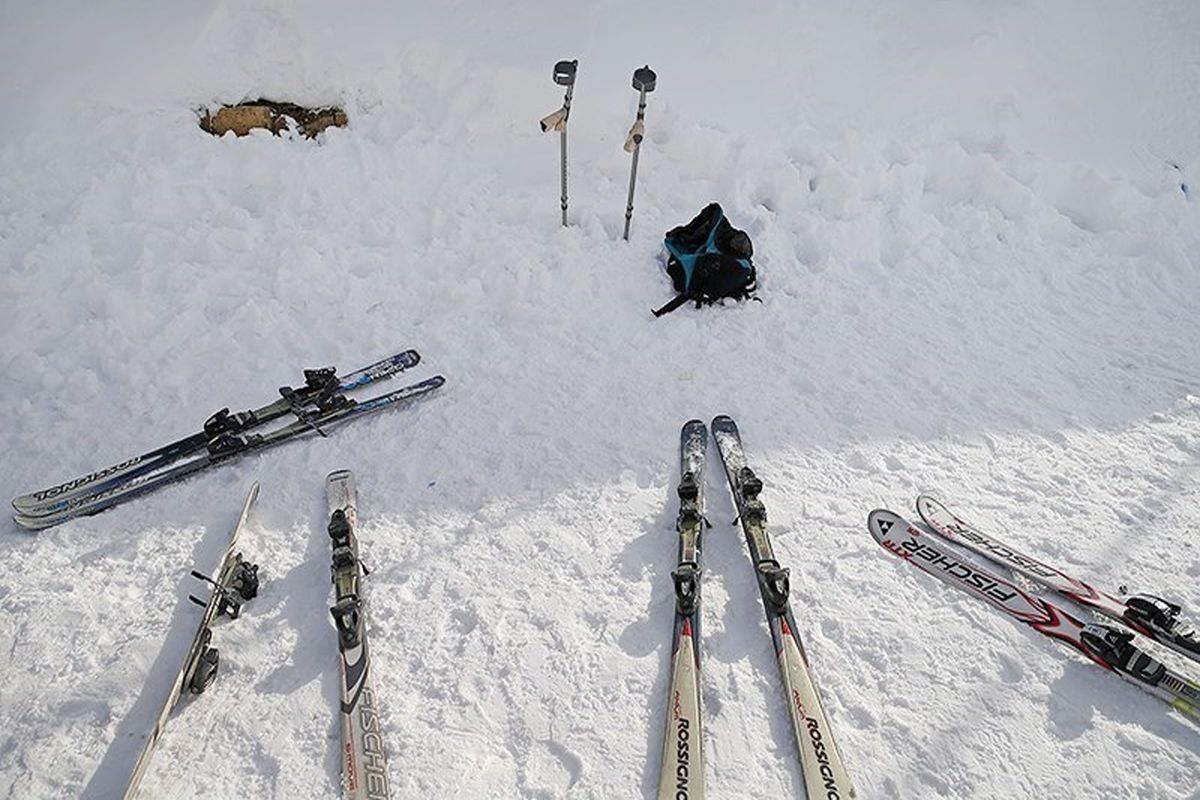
319, 386
236, 582
825, 774
225, 448
364, 763
1110, 648
682, 776
1150, 616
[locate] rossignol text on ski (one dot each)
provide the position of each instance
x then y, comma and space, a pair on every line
1150, 616
364, 762
825, 774
682, 776
1109, 647
320, 404
234, 582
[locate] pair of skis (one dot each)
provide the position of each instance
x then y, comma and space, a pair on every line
1109, 647
682, 776
364, 763
317, 405
236, 582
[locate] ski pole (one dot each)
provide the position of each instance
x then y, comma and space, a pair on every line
643, 81
564, 75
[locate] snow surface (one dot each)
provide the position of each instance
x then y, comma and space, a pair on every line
978, 237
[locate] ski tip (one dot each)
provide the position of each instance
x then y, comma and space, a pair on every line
723, 421
40, 523
881, 521
340, 489
25, 523
927, 503
251, 499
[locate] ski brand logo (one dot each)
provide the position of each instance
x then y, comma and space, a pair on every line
683, 737
63, 488
1024, 562
374, 762
818, 744
382, 371
934, 559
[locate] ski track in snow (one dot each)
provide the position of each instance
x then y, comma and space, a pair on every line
979, 251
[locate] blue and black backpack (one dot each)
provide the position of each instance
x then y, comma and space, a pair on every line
709, 259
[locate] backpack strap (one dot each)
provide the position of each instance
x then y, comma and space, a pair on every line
674, 304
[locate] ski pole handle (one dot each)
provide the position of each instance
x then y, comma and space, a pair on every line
564, 72
644, 79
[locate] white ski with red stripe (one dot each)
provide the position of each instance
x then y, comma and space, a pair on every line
1106, 646
1148, 615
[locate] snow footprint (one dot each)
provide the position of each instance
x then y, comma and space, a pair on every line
1011, 671
552, 770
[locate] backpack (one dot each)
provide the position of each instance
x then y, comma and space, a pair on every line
708, 259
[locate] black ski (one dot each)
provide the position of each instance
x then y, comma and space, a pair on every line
225, 448
682, 776
320, 390
825, 775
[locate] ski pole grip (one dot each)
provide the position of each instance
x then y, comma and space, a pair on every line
564, 72
644, 78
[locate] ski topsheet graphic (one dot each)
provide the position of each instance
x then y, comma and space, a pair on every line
234, 582
825, 775
1148, 615
1109, 647
364, 763
682, 776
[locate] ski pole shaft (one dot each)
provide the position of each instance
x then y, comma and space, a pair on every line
643, 81
563, 149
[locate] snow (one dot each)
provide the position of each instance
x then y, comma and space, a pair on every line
979, 271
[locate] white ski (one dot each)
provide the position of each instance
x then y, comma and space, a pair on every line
364, 763
236, 581
682, 775
825, 774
